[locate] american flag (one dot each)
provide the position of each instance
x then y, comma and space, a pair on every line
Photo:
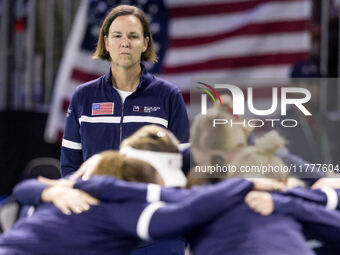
193, 38
102, 108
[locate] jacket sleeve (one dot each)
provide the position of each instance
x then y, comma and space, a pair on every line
158, 220
178, 119
175, 195
325, 196
71, 151
314, 216
161, 220
107, 188
29, 192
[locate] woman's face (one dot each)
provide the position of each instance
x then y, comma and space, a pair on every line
125, 41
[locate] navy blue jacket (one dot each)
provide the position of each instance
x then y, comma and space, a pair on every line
236, 228
244, 232
97, 120
127, 213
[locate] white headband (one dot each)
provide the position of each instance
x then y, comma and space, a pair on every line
168, 165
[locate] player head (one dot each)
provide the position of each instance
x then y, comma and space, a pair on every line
159, 147
112, 163
260, 160
102, 52
221, 142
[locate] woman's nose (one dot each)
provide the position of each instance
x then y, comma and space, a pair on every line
125, 42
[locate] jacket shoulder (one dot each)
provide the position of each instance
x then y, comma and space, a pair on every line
165, 85
90, 85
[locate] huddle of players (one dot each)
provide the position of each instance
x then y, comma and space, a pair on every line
216, 216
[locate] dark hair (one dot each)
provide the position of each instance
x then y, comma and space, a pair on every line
123, 10
129, 169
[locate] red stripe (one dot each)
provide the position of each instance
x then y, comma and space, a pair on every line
19, 25
253, 29
65, 104
218, 8
238, 62
186, 97
81, 76
60, 134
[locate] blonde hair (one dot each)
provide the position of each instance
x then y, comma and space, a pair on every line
116, 165
123, 10
224, 138
152, 138
261, 154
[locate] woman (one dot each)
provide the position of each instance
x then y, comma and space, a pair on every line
105, 111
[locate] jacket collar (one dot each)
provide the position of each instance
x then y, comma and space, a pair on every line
145, 79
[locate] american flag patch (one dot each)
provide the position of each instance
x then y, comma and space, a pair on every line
102, 108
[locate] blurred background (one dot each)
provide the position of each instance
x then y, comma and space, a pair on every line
46, 47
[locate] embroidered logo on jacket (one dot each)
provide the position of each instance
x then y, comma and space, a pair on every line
102, 108
147, 109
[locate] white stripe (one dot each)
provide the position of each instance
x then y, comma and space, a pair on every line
183, 146
332, 198
71, 145
153, 193
30, 211
145, 218
87, 64
183, 80
154, 120
84, 118
239, 47
179, 3
188, 27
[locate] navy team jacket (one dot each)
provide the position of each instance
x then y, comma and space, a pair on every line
240, 230
97, 120
127, 213
237, 228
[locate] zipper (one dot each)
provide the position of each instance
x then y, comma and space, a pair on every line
122, 115
121, 124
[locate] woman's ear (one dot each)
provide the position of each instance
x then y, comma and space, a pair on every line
146, 43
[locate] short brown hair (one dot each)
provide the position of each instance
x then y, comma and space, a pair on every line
123, 10
129, 169
152, 138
